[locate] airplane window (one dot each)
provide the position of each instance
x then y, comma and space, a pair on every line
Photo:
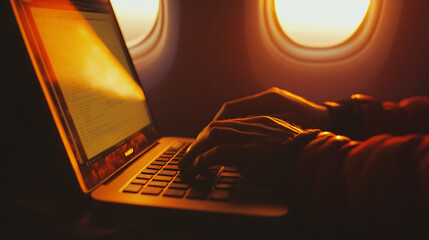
320, 23
136, 18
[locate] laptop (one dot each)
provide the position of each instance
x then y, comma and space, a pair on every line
102, 115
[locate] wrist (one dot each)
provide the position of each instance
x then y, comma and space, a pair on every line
348, 116
288, 156
345, 117
323, 118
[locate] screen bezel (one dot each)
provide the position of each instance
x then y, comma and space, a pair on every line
138, 141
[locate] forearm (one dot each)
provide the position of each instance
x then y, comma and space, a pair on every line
378, 181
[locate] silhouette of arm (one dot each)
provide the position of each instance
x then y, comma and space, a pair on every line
381, 180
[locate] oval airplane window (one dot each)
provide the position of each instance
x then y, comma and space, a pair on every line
136, 18
320, 23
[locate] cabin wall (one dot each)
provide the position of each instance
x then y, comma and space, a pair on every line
217, 52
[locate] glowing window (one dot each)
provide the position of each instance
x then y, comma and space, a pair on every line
136, 18
320, 23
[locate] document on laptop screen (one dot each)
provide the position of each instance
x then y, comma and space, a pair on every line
103, 99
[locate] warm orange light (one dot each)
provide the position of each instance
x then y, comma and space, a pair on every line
320, 23
93, 75
136, 18
103, 99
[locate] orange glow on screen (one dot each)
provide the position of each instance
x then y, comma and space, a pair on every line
79, 56
95, 90
320, 23
94, 77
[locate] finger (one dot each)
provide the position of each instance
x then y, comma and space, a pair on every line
262, 124
240, 131
240, 156
278, 124
224, 136
264, 103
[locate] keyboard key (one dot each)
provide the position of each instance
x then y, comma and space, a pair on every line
169, 152
170, 155
152, 190
132, 188
174, 193
149, 171
172, 167
183, 186
214, 167
231, 175
229, 180
163, 159
174, 162
179, 179
162, 178
206, 178
220, 195
200, 190
209, 173
156, 167
158, 184
140, 181
144, 176
176, 146
225, 186
196, 193
167, 173
159, 163
230, 169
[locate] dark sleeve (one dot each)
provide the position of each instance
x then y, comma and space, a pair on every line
383, 180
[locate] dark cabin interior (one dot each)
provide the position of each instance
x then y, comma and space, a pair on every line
214, 53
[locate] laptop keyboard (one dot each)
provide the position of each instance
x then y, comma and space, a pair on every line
163, 178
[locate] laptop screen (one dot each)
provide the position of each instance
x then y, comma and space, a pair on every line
89, 80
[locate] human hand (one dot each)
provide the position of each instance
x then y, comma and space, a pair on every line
246, 143
280, 104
